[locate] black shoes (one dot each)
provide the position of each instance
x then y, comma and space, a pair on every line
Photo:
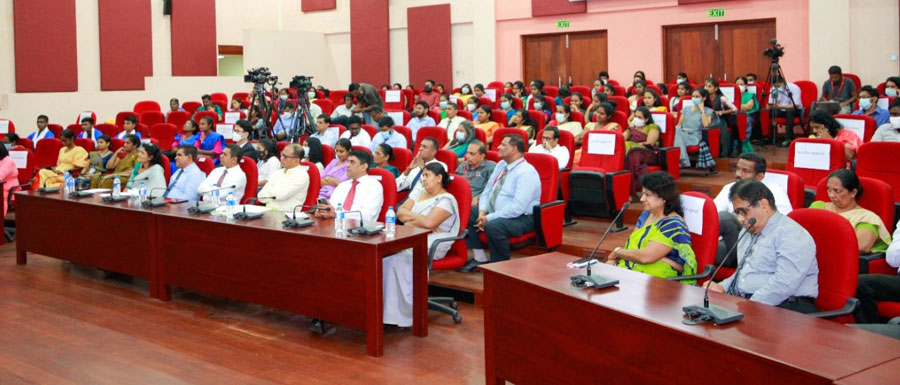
470, 266
321, 328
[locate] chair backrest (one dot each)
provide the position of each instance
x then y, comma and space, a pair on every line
836, 254
6, 126
191, 107
395, 97
47, 152
585, 91
327, 154
458, 253
464, 114
370, 129
363, 148
223, 104
449, 158
389, 187
548, 169
480, 135
27, 143
551, 91
492, 156
178, 118
499, 133
248, 166
85, 143
120, 118
56, 129
622, 104
666, 123
550, 104
206, 164
538, 118
702, 219
149, 118
107, 129
877, 197
165, 133
790, 182
878, 160
406, 132
167, 167
326, 105
201, 114
85, 114
438, 133
242, 96
499, 116
146, 105
565, 139
75, 128
26, 168
115, 144
620, 118
604, 150
809, 92
402, 157
863, 125
814, 159
219, 97
315, 184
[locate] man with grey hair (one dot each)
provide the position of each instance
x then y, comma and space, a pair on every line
476, 169
287, 187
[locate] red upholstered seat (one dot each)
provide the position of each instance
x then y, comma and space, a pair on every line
879, 160
315, 184
389, 188
850, 122
669, 156
206, 164
794, 186
27, 172
363, 148
47, 152
146, 105
499, 133
449, 158
149, 118
85, 143
191, 107
120, 118
327, 154
201, 114
178, 118
458, 254
84, 114
402, 157
538, 118
165, 133
248, 166
705, 243
406, 132
326, 105
812, 176
107, 129
599, 172
499, 116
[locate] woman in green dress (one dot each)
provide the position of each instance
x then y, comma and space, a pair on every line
382, 158
843, 191
661, 243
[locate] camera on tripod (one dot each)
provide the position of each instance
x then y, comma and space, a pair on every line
775, 52
301, 83
259, 76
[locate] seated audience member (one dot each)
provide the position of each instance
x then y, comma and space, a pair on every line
369, 103
230, 174
237, 106
10, 140
70, 157
785, 99
268, 160
472, 107
255, 117
430, 208
484, 122
476, 169
576, 102
505, 206
441, 109
844, 190
750, 107
465, 93
521, 120
429, 96
323, 134
388, 135
283, 96
312, 149
891, 87
129, 126
285, 122
43, 132
420, 119
660, 244
637, 93
382, 158
890, 131
540, 104
478, 90
689, 130
751, 78
208, 105
343, 111
88, 131
465, 134
190, 137
287, 187
681, 77
596, 100
212, 143
9, 175
784, 271
609, 90
872, 288
653, 102
506, 105
175, 105
839, 88
550, 145
641, 144
242, 133
537, 89
96, 165
824, 126
725, 119
150, 171
122, 163
682, 89
355, 133
868, 105
750, 166
184, 183
411, 177
519, 92
336, 171
452, 121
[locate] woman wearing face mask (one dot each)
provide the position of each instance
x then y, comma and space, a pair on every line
892, 87
465, 93
336, 171
313, 151
689, 131
97, 160
464, 135
485, 123
540, 104
825, 126
382, 158
472, 107
641, 143
442, 106
311, 95
564, 121
889, 132
282, 99
268, 160
868, 105
682, 89
9, 174
506, 105
750, 107
681, 78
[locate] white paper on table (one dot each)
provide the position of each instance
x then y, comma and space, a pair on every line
96, 190
780, 180
491, 94
815, 156
86, 114
232, 117
693, 213
126, 193
392, 96
4, 126
20, 157
858, 126
660, 119
601, 143
728, 92
397, 116
883, 103
225, 129
251, 209
300, 215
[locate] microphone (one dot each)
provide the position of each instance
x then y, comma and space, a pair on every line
150, 203
245, 216
80, 193
362, 229
293, 223
600, 282
197, 209
718, 315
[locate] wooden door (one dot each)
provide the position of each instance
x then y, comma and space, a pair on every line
723, 50
691, 49
587, 57
544, 58
742, 44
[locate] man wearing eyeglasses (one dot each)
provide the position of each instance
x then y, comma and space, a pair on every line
287, 187
550, 146
777, 259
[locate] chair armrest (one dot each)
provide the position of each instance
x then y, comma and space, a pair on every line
670, 160
849, 307
696, 277
894, 321
618, 189
865, 259
548, 223
436, 243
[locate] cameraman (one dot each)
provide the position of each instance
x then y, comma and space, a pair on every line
367, 97
785, 99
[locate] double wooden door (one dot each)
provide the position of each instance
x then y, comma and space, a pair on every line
720, 50
558, 59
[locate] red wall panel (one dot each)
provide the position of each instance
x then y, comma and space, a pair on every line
557, 7
126, 44
46, 54
370, 48
316, 5
429, 44
194, 49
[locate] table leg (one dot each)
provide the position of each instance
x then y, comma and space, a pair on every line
375, 307
420, 288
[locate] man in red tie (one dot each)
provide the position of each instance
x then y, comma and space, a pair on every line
361, 193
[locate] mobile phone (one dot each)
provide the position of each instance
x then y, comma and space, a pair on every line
323, 201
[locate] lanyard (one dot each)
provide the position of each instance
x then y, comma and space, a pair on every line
838, 93
506, 172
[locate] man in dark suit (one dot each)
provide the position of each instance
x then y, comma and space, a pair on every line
242, 131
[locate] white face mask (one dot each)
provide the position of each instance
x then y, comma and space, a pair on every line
470, 107
236, 136
282, 97
311, 94
895, 122
504, 105
560, 118
743, 88
890, 92
638, 122
465, 90
460, 136
538, 105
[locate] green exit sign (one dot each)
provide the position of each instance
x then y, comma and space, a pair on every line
718, 12
562, 24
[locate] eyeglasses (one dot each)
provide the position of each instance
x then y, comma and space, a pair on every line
741, 211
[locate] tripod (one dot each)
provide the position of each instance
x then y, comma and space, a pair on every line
259, 95
305, 125
775, 72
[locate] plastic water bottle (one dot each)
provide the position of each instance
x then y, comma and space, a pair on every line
216, 201
339, 217
230, 202
142, 192
117, 187
390, 222
70, 183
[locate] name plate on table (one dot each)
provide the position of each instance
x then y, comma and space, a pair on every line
814, 156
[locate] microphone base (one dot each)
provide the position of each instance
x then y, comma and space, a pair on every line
201, 209
111, 199
153, 203
296, 224
715, 314
365, 230
48, 190
247, 216
80, 194
595, 281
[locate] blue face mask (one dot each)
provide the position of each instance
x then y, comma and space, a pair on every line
460, 136
443, 105
890, 92
386, 135
504, 105
865, 103
538, 105
696, 101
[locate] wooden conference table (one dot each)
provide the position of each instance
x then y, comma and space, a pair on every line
307, 271
541, 330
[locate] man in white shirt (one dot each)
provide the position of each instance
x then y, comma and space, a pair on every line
452, 121
420, 119
387, 134
361, 192
42, 131
357, 136
129, 125
324, 135
550, 146
345, 110
229, 174
785, 99
411, 178
750, 165
287, 188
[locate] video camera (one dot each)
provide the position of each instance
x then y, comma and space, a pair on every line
301, 83
775, 52
259, 75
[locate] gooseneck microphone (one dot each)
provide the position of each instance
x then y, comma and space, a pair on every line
197, 209
293, 223
588, 280
150, 203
